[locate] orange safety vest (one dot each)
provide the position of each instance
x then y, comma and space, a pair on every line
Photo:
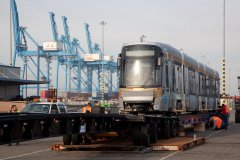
218, 120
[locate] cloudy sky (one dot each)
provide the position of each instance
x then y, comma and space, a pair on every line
196, 26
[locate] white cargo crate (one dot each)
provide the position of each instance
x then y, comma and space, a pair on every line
52, 46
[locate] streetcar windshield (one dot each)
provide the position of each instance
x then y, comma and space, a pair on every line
139, 68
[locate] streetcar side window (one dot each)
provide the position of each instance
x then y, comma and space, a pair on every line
186, 80
177, 78
167, 77
201, 85
192, 85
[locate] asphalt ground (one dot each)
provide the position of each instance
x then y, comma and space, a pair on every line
220, 145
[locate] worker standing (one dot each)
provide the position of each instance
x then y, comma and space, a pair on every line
87, 108
225, 115
217, 122
13, 109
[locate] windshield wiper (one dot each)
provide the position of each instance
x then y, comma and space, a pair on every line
143, 86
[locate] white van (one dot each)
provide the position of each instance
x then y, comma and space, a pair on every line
45, 107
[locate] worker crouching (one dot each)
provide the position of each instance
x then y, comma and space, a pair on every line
217, 122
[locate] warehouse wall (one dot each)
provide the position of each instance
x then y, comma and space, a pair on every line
8, 92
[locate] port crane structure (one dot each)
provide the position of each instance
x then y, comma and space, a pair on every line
80, 73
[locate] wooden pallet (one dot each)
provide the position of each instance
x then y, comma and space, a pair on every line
173, 144
178, 143
101, 147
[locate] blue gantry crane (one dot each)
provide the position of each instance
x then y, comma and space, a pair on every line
21, 50
68, 54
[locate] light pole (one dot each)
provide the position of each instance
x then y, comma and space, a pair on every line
223, 62
10, 34
102, 76
238, 85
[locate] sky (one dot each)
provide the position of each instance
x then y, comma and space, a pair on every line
195, 26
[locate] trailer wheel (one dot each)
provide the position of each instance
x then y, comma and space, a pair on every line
160, 130
166, 129
237, 117
173, 128
86, 139
153, 132
67, 139
45, 129
177, 127
136, 136
45, 132
75, 139
27, 132
145, 137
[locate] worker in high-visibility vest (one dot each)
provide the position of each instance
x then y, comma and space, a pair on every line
217, 122
87, 108
225, 113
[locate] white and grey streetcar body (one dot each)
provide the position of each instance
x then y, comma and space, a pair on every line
176, 82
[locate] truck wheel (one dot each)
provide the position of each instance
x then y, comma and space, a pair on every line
145, 137
67, 139
153, 132
136, 136
75, 139
166, 129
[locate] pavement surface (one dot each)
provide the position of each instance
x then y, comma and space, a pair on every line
220, 145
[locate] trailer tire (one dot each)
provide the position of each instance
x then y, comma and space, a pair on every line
67, 139
27, 132
160, 130
45, 132
166, 129
136, 136
87, 140
145, 137
45, 129
173, 128
75, 139
237, 117
153, 132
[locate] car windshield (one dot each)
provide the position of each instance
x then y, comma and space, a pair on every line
41, 108
62, 108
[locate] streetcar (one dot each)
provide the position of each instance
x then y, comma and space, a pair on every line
158, 77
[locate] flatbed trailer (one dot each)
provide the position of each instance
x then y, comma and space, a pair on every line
82, 128
237, 103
